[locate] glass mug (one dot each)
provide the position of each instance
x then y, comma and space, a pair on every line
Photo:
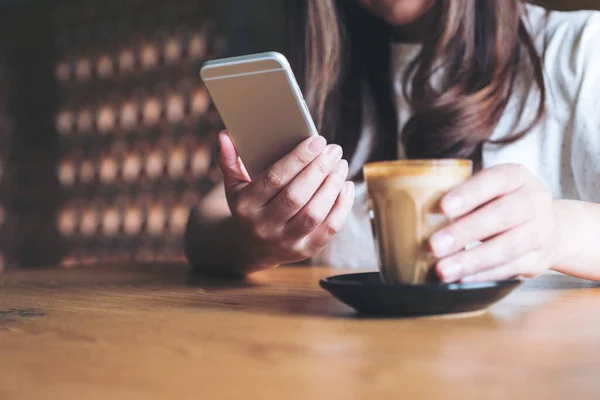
404, 208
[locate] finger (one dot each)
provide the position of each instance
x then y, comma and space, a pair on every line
504, 272
270, 182
483, 188
498, 251
334, 222
234, 172
289, 201
317, 209
516, 269
498, 216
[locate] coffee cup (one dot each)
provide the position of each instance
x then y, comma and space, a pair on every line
404, 207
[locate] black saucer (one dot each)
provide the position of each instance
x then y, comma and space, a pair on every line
367, 294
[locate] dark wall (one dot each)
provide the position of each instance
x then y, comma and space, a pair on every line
106, 130
255, 26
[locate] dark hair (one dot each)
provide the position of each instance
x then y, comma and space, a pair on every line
341, 56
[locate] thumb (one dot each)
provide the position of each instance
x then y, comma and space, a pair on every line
234, 172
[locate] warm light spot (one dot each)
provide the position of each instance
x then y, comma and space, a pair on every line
149, 56
89, 222
132, 167
63, 71
87, 171
70, 261
89, 259
197, 46
177, 162
64, 122
104, 66
67, 222
178, 219
156, 220
85, 121
172, 50
111, 222
155, 164
129, 114
200, 161
126, 60
200, 102
106, 119
66, 173
108, 170
83, 69
175, 108
152, 110
133, 221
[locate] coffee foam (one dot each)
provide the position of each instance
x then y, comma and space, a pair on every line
415, 168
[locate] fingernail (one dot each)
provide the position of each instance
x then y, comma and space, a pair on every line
450, 271
317, 145
333, 150
349, 189
441, 243
342, 167
452, 204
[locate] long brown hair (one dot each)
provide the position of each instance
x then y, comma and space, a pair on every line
341, 56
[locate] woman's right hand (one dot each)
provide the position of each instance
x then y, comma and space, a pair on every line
292, 210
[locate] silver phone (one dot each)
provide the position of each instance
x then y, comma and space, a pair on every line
261, 106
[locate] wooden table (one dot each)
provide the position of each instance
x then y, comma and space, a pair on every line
155, 332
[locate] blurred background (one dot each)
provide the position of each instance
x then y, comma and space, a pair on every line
106, 131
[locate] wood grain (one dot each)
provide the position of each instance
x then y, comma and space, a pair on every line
155, 332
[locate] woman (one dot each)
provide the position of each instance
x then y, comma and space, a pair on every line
508, 85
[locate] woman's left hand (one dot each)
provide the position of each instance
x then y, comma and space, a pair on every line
511, 213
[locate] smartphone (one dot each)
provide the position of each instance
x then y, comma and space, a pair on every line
261, 106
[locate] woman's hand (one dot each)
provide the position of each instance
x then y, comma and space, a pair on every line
292, 210
512, 213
